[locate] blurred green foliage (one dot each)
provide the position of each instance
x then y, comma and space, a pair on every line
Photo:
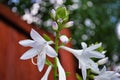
103, 16
95, 21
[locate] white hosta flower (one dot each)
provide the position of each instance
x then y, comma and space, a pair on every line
64, 39
36, 6
107, 75
54, 26
27, 17
61, 71
35, 9
40, 48
103, 61
45, 77
69, 24
84, 57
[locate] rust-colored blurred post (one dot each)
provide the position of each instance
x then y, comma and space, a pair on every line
12, 30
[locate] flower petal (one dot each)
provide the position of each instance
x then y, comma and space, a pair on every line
61, 71
35, 36
50, 51
93, 66
95, 54
84, 74
45, 77
84, 45
93, 47
27, 43
83, 68
41, 60
29, 54
103, 70
106, 75
102, 61
73, 51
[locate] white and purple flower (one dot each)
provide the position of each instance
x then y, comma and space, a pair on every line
107, 75
40, 48
84, 57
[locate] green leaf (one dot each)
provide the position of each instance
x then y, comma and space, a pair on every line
48, 62
78, 76
100, 49
67, 73
46, 37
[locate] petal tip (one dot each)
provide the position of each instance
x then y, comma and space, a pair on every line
20, 42
32, 30
40, 69
22, 58
100, 43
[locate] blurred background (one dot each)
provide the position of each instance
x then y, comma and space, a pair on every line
94, 21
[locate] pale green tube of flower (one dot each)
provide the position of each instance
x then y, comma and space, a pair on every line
45, 77
61, 71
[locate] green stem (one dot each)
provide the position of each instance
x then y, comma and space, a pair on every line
56, 49
57, 41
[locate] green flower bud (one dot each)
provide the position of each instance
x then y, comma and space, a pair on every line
61, 12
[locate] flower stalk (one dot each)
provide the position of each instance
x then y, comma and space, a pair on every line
56, 49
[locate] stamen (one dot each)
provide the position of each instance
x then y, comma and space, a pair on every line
32, 60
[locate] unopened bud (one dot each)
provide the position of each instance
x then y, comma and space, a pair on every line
54, 26
53, 13
64, 39
103, 61
69, 24
103, 52
60, 20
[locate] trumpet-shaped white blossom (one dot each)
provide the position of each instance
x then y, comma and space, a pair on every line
45, 77
40, 47
30, 18
27, 17
107, 75
61, 71
84, 56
